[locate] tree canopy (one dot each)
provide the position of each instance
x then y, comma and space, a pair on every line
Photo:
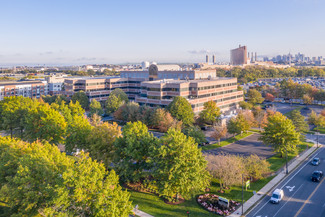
180, 167
280, 133
37, 179
95, 108
210, 113
254, 97
82, 98
181, 109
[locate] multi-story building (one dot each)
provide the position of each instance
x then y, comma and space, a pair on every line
32, 89
238, 56
55, 84
221, 90
158, 88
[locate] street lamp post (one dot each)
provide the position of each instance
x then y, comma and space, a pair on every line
317, 136
286, 161
242, 194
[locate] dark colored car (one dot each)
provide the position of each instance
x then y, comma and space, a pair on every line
317, 175
315, 161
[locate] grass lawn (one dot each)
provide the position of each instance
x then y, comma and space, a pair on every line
155, 206
255, 131
226, 142
321, 130
277, 162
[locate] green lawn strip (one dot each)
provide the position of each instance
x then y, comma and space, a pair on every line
226, 142
277, 162
155, 206
255, 131
296, 109
321, 130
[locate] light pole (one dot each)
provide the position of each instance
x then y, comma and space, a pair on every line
286, 161
242, 194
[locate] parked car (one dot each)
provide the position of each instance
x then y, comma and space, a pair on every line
315, 161
316, 176
277, 196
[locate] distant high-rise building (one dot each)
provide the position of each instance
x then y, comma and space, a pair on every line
207, 58
213, 59
238, 56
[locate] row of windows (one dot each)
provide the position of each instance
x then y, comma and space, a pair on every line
217, 86
215, 94
218, 100
188, 88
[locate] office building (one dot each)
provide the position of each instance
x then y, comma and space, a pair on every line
238, 56
157, 88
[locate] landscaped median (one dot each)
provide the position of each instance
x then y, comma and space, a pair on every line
226, 142
156, 206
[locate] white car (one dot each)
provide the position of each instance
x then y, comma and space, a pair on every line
277, 196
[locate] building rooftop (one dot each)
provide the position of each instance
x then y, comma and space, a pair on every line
2, 83
186, 81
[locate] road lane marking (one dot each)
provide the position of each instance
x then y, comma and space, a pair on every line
290, 188
287, 201
308, 199
319, 150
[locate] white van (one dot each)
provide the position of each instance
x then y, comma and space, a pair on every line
277, 196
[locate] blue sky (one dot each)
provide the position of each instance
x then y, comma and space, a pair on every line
71, 32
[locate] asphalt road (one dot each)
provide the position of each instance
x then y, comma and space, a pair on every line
303, 198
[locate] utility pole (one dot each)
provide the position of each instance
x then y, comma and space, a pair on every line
242, 194
286, 160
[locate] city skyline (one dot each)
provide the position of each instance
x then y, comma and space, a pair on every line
82, 32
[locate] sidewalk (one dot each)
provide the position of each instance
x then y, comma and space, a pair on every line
269, 186
141, 214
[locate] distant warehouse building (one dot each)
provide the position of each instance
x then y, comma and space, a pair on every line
158, 88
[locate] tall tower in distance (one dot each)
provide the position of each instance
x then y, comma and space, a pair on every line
213, 59
238, 56
207, 58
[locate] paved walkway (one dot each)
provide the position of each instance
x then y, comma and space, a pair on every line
141, 214
269, 186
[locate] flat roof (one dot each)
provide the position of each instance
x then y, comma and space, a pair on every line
20, 82
188, 81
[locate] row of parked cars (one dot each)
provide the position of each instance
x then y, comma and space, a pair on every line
317, 175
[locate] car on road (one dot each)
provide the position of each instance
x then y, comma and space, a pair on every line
277, 196
315, 161
316, 176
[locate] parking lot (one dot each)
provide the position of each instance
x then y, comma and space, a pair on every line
245, 147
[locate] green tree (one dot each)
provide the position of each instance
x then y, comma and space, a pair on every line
307, 99
128, 112
113, 102
254, 97
78, 130
13, 113
45, 123
82, 98
238, 125
89, 190
181, 109
101, 142
95, 108
133, 152
220, 130
256, 167
210, 112
299, 121
180, 168
245, 105
36, 179
196, 133
280, 133
120, 94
